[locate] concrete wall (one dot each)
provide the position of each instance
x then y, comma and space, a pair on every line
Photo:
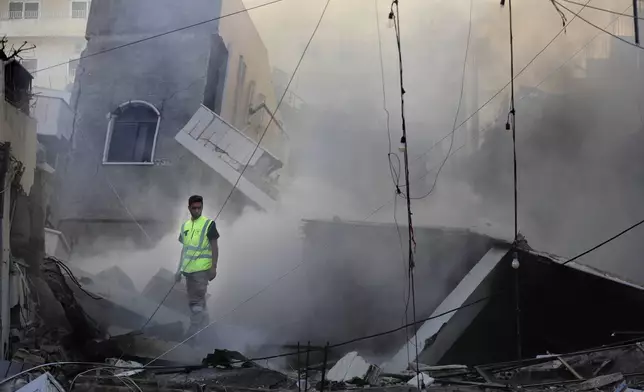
54, 116
243, 40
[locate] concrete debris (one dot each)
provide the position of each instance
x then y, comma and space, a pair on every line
226, 359
122, 363
353, 369
25, 356
425, 380
44, 383
599, 382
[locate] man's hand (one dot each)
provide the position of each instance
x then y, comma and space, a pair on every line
177, 277
212, 273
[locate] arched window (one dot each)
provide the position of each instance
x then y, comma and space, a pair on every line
132, 134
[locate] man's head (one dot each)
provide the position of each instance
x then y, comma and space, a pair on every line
195, 205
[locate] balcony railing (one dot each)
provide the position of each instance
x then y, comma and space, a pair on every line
19, 15
79, 14
227, 151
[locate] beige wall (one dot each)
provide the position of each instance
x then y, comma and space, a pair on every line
242, 39
57, 36
19, 129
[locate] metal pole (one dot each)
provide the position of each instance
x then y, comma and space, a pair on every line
636, 24
5, 227
326, 356
518, 312
299, 370
306, 369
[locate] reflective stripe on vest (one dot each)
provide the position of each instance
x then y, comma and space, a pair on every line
196, 256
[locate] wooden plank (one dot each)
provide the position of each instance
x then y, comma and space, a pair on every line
570, 369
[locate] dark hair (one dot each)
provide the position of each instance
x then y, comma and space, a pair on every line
195, 199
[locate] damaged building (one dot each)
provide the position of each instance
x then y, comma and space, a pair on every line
488, 316
147, 134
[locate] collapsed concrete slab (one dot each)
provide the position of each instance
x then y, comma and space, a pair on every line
498, 313
353, 369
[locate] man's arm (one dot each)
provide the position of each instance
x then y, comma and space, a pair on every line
177, 274
213, 236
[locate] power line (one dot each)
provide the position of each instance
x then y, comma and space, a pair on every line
375, 211
270, 121
605, 10
496, 94
395, 176
512, 124
458, 109
315, 30
594, 248
159, 35
597, 27
395, 17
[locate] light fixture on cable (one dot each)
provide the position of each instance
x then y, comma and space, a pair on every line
515, 261
391, 21
403, 144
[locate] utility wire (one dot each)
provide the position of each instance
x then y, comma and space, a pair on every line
159, 35
395, 175
315, 30
458, 109
395, 16
259, 142
512, 124
604, 10
496, 94
596, 26
279, 103
594, 248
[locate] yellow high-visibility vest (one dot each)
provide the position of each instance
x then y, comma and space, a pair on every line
196, 254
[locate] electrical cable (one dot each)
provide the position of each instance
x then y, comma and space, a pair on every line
547, 77
597, 27
511, 124
458, 109
102, 365
229, 313
375, 211
395, 16
376, 335
317, 26
594, 248
279, 103
395, 176
604, 9
60, 264
158, 35
498, 92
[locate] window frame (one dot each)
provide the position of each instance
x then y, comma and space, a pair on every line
23, 12
71, 8
110, 129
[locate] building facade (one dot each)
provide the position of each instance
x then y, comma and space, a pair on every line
55, 29
163, 119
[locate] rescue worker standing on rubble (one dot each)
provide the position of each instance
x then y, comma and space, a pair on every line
198, 262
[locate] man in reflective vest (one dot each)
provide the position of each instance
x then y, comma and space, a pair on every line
198, 261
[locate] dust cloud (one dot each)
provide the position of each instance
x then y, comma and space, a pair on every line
579, 178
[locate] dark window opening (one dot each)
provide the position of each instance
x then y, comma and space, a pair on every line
133, 133
216, 78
